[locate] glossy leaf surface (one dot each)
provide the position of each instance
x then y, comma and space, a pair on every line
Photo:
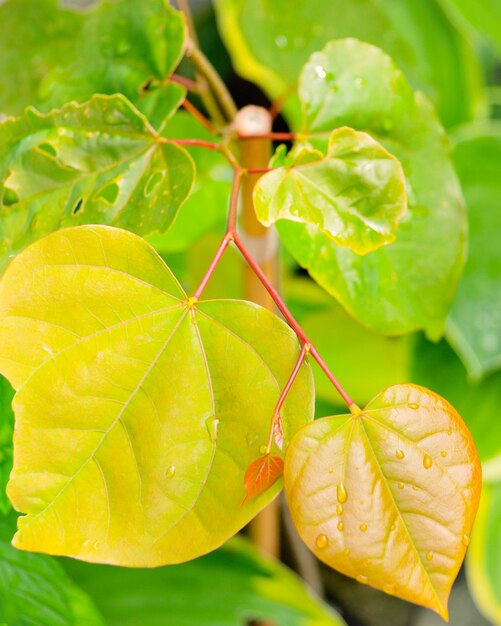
36, 36
206, 208
408, 284
34, 589
233, 586
484, 557
388, 495
355, 194
474, 325
269, 43
97, 162
125, 47
6, 430
158, 406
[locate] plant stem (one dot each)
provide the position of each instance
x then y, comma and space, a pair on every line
203, 66
200, 117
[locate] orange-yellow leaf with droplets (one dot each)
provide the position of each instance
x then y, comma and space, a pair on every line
262, 474
374, 496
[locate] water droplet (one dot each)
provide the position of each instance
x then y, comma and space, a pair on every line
96, 545
263, 449
443, 454
362, 579
340, 526
360, 82
342, 494
400, 454
393, 527
427, 461
281, 41
321, 541
429, 556
401, 485
363, 527
466, 540
339, 509
413, 405
170, 471
346, 551
320, 72
449, 432
212, 424
87, 543
389, 588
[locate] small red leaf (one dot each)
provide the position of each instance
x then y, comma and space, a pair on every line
278, 432
262, 474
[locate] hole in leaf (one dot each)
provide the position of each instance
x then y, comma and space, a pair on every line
109, 194
153, 181
47, 149
10, 197
77, 206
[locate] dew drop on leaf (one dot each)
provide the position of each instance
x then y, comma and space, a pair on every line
346, 551
443, 454
87, 543
170, 471
322, 541
414, 406
401, 485
363, 527
400, 454
362, 579
212, 424
466, 540
339, 509
340, 526
427, 461
429, 556
342, 494
263, 449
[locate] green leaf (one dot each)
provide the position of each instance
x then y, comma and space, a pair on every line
355, 194
97, 162
6, 430
484, 16
159, 403
36, 36
483, 564
125, 47
34, 589
408, 284
206, 208
388, 495
229, 587
270, 41
474, 324
437, 367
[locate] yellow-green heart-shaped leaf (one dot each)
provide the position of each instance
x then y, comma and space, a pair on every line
388, 495
354, 195
138, 410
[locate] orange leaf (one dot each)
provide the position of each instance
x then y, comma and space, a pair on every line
388, 495
262, 474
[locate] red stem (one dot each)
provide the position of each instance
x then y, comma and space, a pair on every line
199, 143
276, 413
258, 170
217, 257
232, 215
191, 85
275, 136
200, 117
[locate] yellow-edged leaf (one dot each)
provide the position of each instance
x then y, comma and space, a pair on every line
388, 495
137, 409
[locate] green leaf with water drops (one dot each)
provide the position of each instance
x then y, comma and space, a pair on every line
159, 403
36, 36
355, 194
6, 430
269, 43
34, 589
410, 283
249, 587
483, 563
125, 47
474, 324
388, 495
99, 162
206, 209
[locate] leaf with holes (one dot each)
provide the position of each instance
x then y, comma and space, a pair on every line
125, 47
262, 474
408, 284
141, 459
354, 195
388, 495
99, 162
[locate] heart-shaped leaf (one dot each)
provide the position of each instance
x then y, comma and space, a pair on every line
388, 495
355, 194
99, 162
261, 474
138, 410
